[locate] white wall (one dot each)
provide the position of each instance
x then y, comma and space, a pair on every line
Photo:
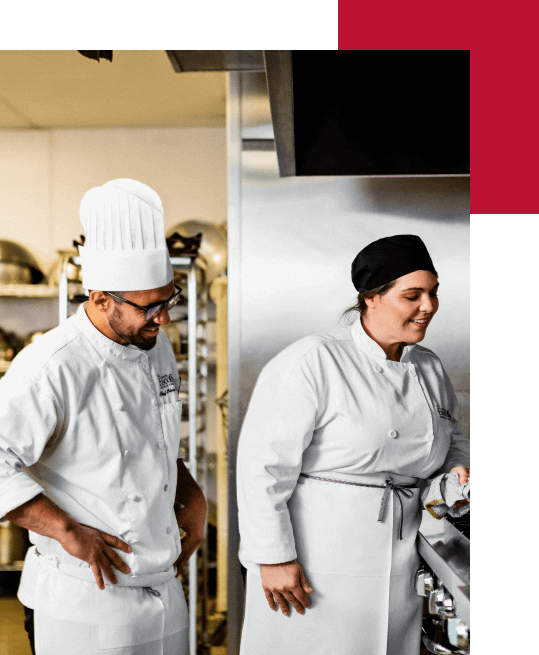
45, 173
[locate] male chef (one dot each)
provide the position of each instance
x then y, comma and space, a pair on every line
89, 448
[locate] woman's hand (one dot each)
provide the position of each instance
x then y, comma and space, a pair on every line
285, 582
464, 476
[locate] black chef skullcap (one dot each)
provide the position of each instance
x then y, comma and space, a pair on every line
389, 258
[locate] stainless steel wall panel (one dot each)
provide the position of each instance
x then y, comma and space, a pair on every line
235, 590
291, 245
299, 237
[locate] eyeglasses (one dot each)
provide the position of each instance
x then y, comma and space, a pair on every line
155, 308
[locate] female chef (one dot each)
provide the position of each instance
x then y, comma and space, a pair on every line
340, 429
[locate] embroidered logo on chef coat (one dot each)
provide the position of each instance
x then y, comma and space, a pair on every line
443, 412
166, 384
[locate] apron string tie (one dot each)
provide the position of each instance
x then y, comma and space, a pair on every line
397, 489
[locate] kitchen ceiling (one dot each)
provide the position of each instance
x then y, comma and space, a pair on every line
139, 88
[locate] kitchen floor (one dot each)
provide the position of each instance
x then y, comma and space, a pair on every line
13, 637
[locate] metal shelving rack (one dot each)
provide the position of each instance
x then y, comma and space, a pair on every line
197, 350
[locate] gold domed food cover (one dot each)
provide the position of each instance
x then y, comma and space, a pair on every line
212, 253
18, 265
65, 257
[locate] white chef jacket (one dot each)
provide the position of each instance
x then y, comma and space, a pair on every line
96, 427
333, 403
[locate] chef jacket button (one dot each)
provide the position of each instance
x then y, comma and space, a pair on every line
169, 530
393, 433
430, 436
378, 369
126, 453
119, 407
166, 487
154, 401
413, 373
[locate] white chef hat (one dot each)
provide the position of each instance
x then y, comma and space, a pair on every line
125, 247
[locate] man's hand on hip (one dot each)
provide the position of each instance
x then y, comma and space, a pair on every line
95, 547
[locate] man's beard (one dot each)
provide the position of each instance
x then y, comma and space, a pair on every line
133, 339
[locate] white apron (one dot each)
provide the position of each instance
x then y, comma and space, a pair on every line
364, 600
74, 617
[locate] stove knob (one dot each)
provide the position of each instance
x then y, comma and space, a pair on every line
424, 582
441, 603
457, 633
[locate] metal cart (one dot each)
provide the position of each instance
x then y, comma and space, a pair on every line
196, 397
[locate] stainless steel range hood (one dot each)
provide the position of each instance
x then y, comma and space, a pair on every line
366, 113
188, 61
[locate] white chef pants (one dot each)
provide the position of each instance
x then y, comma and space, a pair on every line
74, 617
54, 637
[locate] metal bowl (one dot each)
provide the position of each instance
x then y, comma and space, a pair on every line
18, 265
15, 273
74, 273
213, 247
